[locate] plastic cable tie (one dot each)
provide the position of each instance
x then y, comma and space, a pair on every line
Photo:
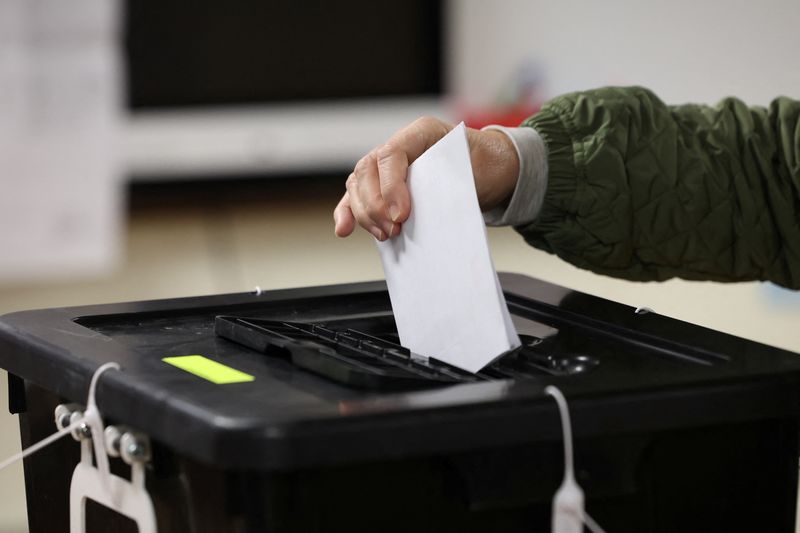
593, 526
129, 498
47, 441
94, 420
568, 515
73, 425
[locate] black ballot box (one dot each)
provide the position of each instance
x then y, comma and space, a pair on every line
339, 428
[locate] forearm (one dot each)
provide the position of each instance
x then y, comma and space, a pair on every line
643, 191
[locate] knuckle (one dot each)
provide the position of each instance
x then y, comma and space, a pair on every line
360, 165
425, 128
426, 122
385, 151
363, 220
365, 163
375, 210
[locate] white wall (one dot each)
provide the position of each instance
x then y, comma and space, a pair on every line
685, 50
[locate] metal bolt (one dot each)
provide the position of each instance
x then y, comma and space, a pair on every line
63, 414
135, 448
113, 436
84, 430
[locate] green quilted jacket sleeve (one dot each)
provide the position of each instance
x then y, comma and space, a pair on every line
645, 191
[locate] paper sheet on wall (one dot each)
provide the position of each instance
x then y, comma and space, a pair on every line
445, 294
61, 107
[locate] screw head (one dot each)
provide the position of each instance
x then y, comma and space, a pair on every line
135, 450
85, 431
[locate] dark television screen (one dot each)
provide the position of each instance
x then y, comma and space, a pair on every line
210, 53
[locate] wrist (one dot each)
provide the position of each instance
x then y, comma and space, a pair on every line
495, 164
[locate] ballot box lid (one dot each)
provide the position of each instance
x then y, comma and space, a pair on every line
240, 407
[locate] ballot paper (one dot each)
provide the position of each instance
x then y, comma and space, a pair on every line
445, 294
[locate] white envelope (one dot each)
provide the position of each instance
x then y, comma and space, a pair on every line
445, 294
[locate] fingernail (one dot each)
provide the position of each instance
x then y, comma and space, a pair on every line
389, 229
394, 212
378, 234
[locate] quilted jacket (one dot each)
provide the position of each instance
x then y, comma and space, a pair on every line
645, 191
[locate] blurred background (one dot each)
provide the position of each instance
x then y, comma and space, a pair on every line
166, 149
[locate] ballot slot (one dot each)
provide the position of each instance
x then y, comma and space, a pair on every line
364, 352
541, 353
343, 354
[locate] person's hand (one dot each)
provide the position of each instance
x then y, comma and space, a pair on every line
377, 196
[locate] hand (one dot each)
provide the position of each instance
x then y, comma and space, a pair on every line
377, 196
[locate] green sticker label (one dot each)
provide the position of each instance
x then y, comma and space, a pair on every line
207, 369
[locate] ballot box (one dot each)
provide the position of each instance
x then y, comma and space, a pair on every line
299, 411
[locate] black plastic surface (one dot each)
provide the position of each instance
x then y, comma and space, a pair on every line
621, 371
357, 359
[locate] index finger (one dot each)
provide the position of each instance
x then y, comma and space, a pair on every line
394, 157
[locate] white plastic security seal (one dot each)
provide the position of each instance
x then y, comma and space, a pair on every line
128, 498
569, 515
38, 446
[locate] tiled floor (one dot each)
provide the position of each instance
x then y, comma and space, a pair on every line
282, 236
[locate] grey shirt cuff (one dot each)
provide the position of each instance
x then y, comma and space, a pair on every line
526, 201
